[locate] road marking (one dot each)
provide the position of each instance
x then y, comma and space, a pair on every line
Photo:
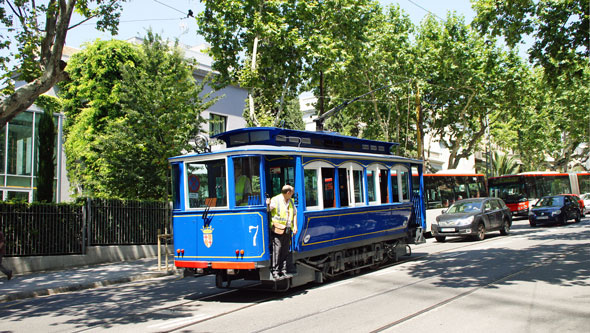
179, 322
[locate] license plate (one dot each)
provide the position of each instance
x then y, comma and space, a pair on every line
447, 229
542, 217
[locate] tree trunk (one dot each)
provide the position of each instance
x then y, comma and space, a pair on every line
54, 67
250, 96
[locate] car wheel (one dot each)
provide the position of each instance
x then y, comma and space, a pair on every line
505, 228
440, 239
578, 217
532, 224
481, 232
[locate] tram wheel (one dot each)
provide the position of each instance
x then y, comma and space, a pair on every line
219, 281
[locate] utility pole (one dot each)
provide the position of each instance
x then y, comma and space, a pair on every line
419, 122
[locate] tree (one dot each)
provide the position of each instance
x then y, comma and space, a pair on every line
560, 29
254, 45
468, 84
129, 108
39, 32
277, 47
502, 164
383, 59
46, 136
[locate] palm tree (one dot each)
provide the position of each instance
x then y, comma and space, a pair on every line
502, 164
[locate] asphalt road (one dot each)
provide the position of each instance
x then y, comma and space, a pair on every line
534, 280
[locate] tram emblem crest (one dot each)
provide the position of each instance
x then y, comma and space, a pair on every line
207, 236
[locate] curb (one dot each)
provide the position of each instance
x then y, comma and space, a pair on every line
82, 286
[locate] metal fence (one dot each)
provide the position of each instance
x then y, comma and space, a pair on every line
41, 229
116, 222
57, 229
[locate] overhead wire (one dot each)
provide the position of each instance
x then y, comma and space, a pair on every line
166, 5
417, 5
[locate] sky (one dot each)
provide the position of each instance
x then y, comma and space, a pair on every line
169, 19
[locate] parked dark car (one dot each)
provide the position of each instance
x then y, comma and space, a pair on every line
554, 209
473, 218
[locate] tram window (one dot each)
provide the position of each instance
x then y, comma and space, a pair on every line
400, 184
311, 187
383, 186
405, 179
175, 187
328, 187
371, 185
279, 176
206, 184
247, 180
359, 191
394, 186
343, 187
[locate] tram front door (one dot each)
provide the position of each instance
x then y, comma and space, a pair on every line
280, 170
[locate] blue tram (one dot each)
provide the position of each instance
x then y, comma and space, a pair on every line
354, 201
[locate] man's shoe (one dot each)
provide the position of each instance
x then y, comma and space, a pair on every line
286, 275
9, 276
275, 276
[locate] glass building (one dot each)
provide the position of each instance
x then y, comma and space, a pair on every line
19, 152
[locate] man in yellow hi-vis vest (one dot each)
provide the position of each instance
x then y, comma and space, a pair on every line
243, 186
283, 225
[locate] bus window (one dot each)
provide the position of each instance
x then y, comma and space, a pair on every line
584, 183
311, 188
247, 180
328, 187
474, 186
206, 184
461, 188
446, 192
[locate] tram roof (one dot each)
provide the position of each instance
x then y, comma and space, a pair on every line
282, 137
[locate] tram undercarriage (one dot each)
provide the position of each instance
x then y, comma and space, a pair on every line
318, 268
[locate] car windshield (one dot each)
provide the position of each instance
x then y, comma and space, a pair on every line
465, 207
550, 202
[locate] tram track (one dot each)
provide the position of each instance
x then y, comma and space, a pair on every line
433, 255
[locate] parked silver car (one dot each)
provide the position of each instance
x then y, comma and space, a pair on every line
473, 218
586, 198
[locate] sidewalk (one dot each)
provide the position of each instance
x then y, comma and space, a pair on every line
54, 282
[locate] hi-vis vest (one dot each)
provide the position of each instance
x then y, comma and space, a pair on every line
282, 210
240, 186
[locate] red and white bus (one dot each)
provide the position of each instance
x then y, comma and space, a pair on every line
443, 188
522, 190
